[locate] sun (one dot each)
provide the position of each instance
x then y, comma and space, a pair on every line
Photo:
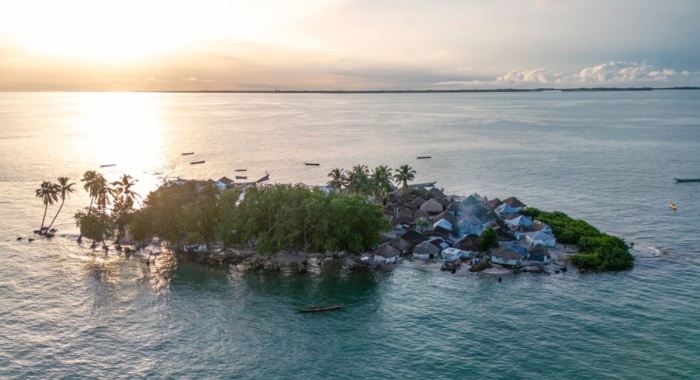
129, 30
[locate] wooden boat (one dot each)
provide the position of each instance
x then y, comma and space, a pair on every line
264, 178
241, 177
197, 162
424, 184
241, 170
316, 309
107, 165
687, 179
424, 157
311, 163
187, 153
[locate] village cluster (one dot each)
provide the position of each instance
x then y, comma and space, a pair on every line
429, 225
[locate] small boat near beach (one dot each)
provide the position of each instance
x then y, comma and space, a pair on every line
687, 179
197, 162
424, 157
311, 163
316, 309
264, 178
241, 177
187, 153
241, 170
107, 165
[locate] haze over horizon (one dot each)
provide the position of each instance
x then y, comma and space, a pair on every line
130, 45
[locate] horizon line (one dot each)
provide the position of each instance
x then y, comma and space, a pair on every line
405, 91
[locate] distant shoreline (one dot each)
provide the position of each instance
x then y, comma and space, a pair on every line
496, 90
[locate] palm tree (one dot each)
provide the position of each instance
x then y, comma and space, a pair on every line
124, 199
48, 192
382, 180
404, 174
359, 181
123, 192
338, 178
64, 188
94, 182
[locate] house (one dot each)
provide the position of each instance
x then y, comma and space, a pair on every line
539, 226
540, 238
470, 242
417, 202
514, 202
224, 182
454, 254
444, 224
505, 208
456, 208
519, 221
436, 193
471, 200
447, 216
469, 224
432, 206
386, 254
414, 237
425, 251
401, 244
511, 256
538, 255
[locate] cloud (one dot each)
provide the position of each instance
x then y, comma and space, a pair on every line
615, 73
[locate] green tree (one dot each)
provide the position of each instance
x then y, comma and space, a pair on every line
48, 192
488, 239
404, 174
64, 189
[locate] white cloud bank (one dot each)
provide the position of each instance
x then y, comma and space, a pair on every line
611, 74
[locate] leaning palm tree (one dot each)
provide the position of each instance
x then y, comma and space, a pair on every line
63, 188
48, 192
382, 181
404, 174
338, 178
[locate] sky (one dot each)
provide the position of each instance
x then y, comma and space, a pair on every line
188, 45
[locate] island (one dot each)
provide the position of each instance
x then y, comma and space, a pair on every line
361, 219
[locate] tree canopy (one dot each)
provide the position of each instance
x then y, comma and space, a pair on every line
596, 250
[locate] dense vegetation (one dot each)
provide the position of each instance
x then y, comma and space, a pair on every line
596, 249
272, 218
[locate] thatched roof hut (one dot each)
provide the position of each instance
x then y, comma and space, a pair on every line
432, 206
471, 200
414, 237
436, 193
426, 248
514, 202
386, 251
418, 201
421, 214
447, 216
493, 203
469, 243
401, 220
456, 208
407, 212
402, 245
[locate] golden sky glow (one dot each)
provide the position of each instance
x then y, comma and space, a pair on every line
345, 44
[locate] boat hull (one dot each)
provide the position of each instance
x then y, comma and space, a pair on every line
687, 179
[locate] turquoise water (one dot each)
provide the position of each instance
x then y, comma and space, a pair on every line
608, 158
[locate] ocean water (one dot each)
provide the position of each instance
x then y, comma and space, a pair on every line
608, 158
